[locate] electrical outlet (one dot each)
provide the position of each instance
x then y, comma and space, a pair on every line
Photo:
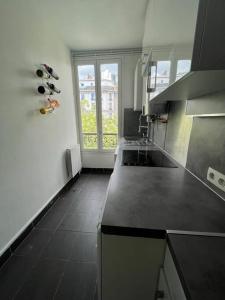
216, 178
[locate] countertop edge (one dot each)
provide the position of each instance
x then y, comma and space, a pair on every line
135, 232
179, 271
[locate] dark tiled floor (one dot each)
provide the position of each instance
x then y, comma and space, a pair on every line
58, 258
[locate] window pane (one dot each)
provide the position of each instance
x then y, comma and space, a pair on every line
109, 101
86, 75
183, 67
162, 77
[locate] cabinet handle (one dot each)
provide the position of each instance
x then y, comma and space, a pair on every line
159, 295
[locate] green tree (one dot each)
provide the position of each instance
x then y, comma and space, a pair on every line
89, 125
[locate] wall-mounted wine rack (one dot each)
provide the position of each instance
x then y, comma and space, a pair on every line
48, 88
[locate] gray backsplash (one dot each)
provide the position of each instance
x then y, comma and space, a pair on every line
207, 148
196, 143
160, 134
176, 132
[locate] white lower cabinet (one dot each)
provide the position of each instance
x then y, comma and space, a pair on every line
130, 267
169, 285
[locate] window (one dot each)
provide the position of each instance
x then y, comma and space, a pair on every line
99, 105
183, 67
86, 74
161, 78
109, 84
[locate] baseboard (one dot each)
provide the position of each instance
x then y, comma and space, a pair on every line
8, 252
97, 170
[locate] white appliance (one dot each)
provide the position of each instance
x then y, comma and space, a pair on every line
73, 161
138, 84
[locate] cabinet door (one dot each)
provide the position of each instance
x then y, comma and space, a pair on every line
160, 75
209, 46
130, 267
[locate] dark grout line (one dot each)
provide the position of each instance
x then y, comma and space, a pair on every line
59, 283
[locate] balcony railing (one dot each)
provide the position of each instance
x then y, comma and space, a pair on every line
90, 141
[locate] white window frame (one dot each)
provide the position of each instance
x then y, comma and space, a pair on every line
96, 62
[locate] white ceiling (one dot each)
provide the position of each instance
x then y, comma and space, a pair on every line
99, 24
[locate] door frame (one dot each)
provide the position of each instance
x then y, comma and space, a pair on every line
97, 61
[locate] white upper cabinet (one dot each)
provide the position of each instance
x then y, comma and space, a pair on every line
169, 35
184, 40
138, 85
195, 27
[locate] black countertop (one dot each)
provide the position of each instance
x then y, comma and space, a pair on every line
200, 263
157, 202
153, 200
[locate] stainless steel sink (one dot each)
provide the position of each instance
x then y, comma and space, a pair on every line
146, 158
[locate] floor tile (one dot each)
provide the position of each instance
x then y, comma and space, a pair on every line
43, 281
62, 205
90, 195
84, 249
86, 206
58, 257
81, 194
92, 224
83, 222
82, 181
60, 246
100, 180
13, 274
34, 243
78, 282
51, 220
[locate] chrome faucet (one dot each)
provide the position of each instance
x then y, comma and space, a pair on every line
149, 121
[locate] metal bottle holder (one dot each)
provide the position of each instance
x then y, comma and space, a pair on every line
47, 88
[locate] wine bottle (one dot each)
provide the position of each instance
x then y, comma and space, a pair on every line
46, 110
44, 90
53, 87
43, 74
51, 71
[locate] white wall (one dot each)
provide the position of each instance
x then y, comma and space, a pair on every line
32, 166
97, 159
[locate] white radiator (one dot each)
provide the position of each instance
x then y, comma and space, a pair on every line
73, 161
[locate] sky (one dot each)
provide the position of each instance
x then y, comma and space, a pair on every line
89, 69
